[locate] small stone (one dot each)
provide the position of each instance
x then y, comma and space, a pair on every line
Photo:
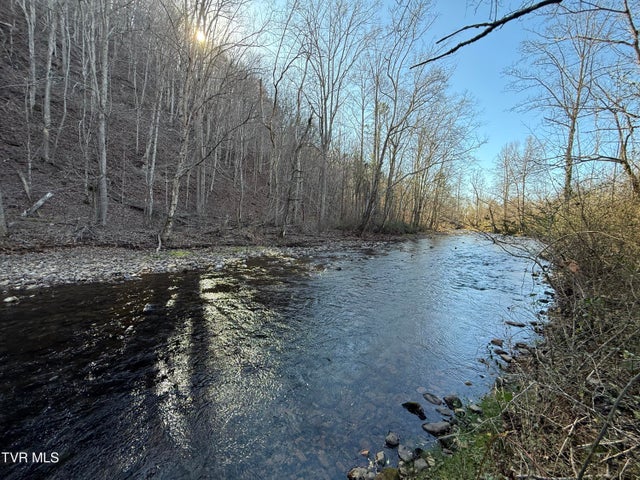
515, 324
405, 453
430, 461
357, 473
11, 300
364, 453
392, 439
453, 402
498, 342
380, 458
431, 398
477, 409
404, 469
460, 412
444, 411
449, 442
468, 383
149, 308
437, 428
506, 357
420, 465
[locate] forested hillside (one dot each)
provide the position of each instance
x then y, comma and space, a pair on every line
147, 119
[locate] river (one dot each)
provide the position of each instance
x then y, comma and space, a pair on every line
266, 368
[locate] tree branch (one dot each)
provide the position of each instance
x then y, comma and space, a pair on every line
488, 28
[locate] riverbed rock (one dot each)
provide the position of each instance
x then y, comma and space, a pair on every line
474, 408
416, 409
444, 411
380, 458
357, 473
453, 401
431, 398
420, 465
405, 453
392, 439
498, 342
499, 351
12, 299
437, 429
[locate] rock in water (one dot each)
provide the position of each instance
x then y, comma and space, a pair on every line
498, 342
431, 398
392, 439
357, 473
477, 409
416, 409
11, 299
381, 458
453, 402
515, 324
437, 428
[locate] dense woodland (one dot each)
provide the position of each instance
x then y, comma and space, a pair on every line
150, 121
213, 114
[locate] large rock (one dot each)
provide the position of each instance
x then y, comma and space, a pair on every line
437, 428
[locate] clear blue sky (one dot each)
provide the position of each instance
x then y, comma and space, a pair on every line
479, 70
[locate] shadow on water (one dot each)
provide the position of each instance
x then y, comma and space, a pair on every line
268, 368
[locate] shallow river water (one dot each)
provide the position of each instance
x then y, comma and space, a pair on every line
267, 368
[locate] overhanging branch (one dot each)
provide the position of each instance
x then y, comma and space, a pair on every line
488, 28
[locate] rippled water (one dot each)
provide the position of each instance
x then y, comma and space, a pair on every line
260, 370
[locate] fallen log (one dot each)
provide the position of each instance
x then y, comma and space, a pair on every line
36, 206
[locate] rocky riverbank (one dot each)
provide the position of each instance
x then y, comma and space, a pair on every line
86, 264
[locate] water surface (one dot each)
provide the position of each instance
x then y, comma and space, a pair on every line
268, 368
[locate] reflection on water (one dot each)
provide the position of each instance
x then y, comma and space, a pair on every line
258, 370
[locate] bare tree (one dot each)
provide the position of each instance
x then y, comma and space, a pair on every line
335, 35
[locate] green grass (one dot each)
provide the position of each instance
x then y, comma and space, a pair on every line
480, 441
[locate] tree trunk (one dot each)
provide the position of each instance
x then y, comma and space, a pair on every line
4, 231
46, 110
103, 197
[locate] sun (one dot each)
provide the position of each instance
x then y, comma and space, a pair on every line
200, 36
